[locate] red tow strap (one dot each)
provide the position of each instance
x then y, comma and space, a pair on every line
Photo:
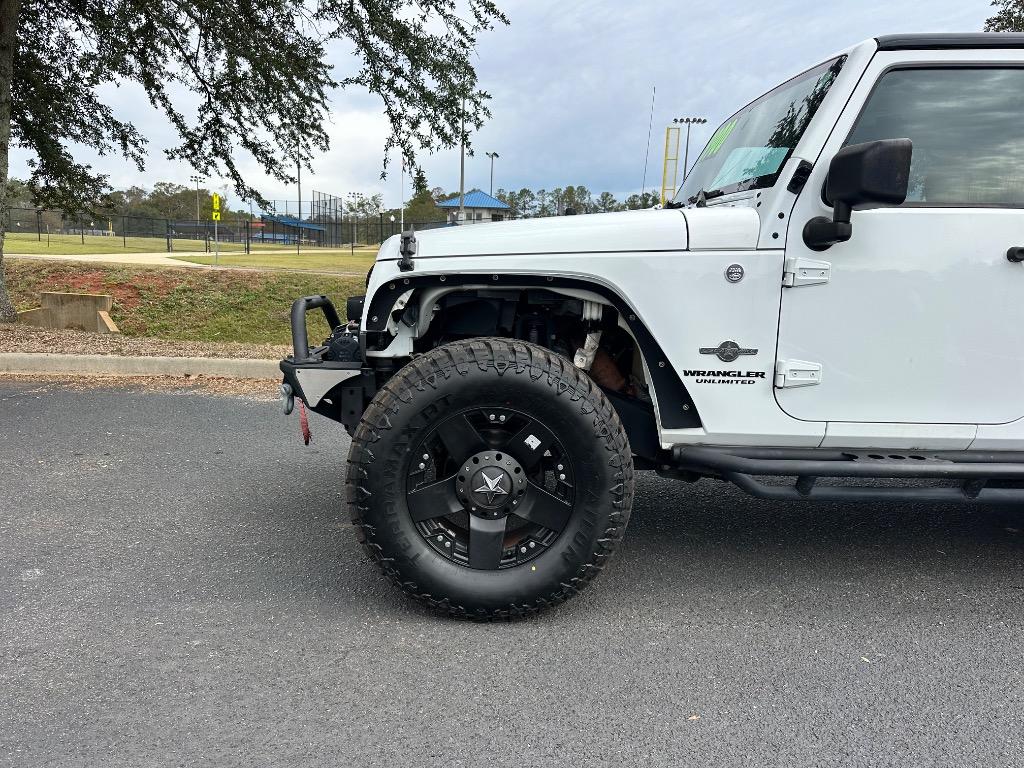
304, 424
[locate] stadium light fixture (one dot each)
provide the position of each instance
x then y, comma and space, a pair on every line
493, 156
688, 122
196, 179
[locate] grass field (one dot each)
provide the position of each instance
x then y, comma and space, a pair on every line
72, 245
188, 304
343, 260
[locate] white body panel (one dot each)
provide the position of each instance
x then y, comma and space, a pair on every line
647, 230
919, 322
686, 302
1000, 437
907, 437
713, 229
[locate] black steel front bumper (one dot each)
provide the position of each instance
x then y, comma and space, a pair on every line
335, 389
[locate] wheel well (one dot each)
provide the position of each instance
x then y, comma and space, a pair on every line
556, 313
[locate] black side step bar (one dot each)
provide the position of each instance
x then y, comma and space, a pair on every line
975, 471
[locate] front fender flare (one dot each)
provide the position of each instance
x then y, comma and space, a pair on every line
675, 406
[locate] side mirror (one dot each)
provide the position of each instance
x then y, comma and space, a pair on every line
877, 172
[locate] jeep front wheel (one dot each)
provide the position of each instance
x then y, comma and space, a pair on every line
490, 478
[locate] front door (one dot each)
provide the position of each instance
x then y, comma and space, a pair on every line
922, 314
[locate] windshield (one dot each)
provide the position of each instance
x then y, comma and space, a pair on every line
749, 149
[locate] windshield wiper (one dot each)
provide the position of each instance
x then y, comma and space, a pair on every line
702, 197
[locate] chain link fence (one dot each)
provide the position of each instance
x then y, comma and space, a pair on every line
40, 231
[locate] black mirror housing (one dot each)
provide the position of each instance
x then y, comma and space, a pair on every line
876, 172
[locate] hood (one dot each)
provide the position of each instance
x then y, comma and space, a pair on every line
646, 230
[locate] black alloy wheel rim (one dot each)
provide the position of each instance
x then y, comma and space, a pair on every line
490, 488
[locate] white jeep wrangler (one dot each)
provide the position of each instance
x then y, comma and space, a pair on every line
835, 292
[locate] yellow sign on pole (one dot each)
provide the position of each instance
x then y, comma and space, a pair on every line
216, 217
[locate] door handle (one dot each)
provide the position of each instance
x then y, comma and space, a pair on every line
1015, 254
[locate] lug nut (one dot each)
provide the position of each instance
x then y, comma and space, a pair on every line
448, 544
533, 544
440, 538
523, 550
422, 465
426, 457
561, 477
492, 417
502, 417
560, 467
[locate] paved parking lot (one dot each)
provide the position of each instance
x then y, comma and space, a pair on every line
179, 586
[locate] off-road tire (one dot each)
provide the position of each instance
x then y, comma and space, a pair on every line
468, 374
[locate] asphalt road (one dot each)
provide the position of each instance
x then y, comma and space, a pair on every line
179, 585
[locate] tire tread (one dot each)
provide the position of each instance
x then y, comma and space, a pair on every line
503, 355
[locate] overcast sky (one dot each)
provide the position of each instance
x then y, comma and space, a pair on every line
571, 86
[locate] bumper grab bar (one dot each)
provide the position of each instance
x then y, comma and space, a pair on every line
300, 339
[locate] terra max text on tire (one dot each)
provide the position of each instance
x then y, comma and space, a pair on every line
490, 478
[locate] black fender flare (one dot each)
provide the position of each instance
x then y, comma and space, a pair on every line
675, 406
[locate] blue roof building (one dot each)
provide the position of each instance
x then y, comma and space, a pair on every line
480, 207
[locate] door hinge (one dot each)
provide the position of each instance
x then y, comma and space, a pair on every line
800, 271
796, 373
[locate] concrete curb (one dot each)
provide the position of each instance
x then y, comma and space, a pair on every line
114, 365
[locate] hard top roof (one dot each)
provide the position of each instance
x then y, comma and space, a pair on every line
936, 41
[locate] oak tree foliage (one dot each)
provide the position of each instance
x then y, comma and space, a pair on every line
1009, 17
238, 82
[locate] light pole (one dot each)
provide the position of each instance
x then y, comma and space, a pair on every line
462, 164
493, 156
688, 121
196, 179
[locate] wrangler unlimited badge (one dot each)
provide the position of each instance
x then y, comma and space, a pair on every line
725, 377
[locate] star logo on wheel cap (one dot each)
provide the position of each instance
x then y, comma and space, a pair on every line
492, 486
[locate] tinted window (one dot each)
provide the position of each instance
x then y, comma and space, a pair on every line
967, 128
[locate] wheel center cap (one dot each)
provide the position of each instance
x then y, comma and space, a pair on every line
490, 487
491, 484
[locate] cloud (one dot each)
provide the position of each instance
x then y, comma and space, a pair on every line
571, 86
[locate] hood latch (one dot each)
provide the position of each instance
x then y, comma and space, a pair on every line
408, 250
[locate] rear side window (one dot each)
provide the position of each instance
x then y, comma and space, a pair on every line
967, 125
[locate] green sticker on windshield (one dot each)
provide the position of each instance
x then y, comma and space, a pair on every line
718, 139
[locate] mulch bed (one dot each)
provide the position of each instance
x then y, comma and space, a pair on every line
15, 337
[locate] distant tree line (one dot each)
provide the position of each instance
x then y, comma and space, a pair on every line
528, 203
167, 200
